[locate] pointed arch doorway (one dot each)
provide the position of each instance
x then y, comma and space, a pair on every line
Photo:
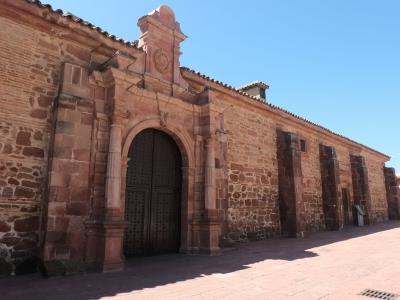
153, 195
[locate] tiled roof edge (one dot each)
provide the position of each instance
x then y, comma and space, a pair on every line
227, 86
73, 18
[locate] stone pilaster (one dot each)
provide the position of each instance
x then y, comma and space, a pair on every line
392, 193
69, 172
113, 180
290, 185
330, 179
209, 229
105, 235
104, 245
361, 192
209, 185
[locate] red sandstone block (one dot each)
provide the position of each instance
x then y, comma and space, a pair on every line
79, 193
100, 104
80, 180
55, 236
81, 154
23, 138
26, 245
27, 224
101, 168
62, 194
38, 113
48, 45
78, 52
61, 223
65, 127
7, 149
24, 176
30, 184
64, 140
24, 192
62, 152
77, 208
65, 105
56, 208
61, 165
9, 241
99, 93
7, 192
99, 179
87, 118
84, 131
44, 101
13, 181
4, 227
69, 115
85, 106
38, 136
33, 151
60, 179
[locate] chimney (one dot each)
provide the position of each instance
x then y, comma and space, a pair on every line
256, 88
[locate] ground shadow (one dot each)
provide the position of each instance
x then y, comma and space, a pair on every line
155, 271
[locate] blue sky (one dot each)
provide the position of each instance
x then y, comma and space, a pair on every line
335, 62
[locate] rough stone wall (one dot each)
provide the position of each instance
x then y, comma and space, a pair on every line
250, 148
28, 85
30, 68
253, 211
377, 189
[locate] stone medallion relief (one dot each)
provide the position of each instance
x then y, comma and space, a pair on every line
161, 61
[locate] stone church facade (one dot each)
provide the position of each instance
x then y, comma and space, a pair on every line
110, 149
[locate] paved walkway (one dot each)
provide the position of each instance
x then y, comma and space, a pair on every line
326, 265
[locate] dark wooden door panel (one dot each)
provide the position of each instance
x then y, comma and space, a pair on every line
136, 212
167, 164
140, 166
138, 194
153, 186
164, 221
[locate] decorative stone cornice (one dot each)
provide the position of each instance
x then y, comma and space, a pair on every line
113, 76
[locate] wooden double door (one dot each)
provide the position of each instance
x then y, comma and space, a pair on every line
153, 195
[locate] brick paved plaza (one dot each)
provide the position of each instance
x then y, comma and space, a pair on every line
325, 265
